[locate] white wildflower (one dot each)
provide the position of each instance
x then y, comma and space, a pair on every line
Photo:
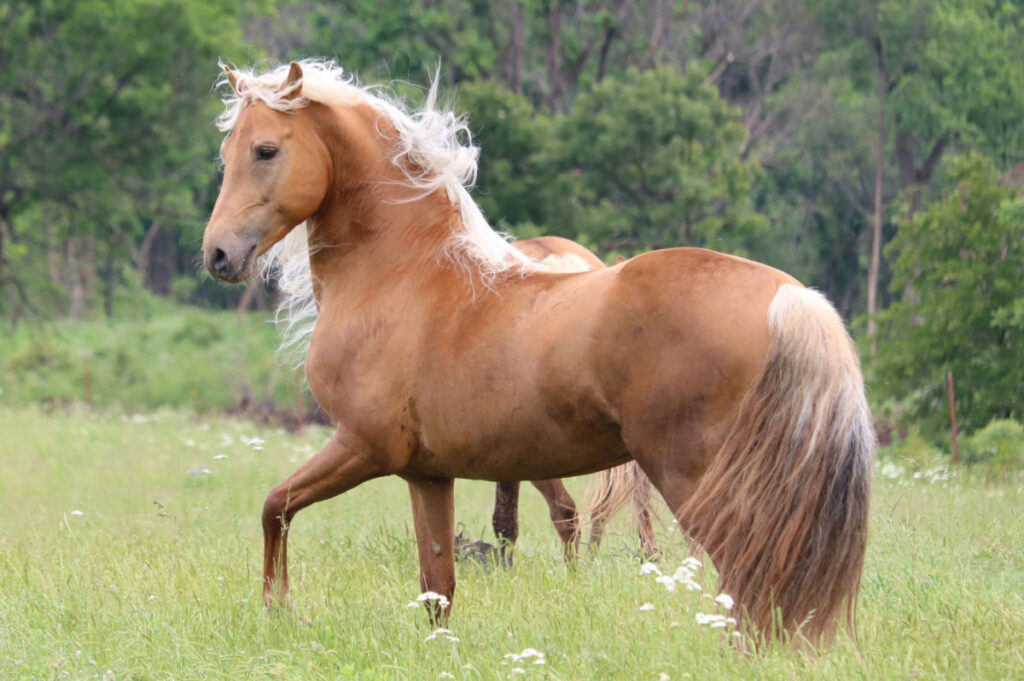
725, 600
528, 653
434, 596
669, 582
891, 471
649, 569
77, 513
647, 606
714, 621
220, 457
684, 575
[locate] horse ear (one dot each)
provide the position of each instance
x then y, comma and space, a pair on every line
292, 85
232, 78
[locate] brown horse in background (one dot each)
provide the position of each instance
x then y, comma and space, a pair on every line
441, 352
612, 486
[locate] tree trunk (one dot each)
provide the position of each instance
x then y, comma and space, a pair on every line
108, 282
516, 48
876, 222
553, 97
145, 248
76, 292
247, 297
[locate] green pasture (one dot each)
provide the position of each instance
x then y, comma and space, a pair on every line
130, 548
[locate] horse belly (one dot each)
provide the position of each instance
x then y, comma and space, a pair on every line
519, 441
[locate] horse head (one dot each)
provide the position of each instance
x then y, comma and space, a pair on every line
276, 174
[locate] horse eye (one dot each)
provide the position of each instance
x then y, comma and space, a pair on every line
265, 153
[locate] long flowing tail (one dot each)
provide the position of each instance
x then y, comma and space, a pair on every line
782, 510
609, 491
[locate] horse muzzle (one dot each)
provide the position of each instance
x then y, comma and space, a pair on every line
230, 261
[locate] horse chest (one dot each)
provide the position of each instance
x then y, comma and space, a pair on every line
348, 369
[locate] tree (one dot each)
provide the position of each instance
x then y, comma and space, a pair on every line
104, 127
651, 160
924, 97
958, 265
511, 134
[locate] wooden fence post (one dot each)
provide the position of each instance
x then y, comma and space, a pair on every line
952, 418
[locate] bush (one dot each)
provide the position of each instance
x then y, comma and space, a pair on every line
999, 447
915, 453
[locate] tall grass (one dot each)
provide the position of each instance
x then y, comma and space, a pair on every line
130, 548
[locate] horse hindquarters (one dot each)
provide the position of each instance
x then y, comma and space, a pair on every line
782, 508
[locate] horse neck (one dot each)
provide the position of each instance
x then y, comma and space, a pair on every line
374, 225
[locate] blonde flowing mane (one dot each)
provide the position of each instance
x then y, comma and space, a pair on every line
434, 149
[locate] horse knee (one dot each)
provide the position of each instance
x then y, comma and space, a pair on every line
276, 513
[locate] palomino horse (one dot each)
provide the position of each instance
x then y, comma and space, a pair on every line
441, 352
612, 485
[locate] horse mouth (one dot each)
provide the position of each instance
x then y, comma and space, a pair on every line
222, 269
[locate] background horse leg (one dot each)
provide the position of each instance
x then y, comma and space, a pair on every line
342, 464
563, 514
642, 504
433, 513
505, 520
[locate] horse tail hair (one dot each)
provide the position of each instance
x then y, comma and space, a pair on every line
608, 492
782, 510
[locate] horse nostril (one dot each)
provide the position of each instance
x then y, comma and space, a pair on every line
220, 260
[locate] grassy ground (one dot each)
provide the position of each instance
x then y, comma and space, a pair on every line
121, 557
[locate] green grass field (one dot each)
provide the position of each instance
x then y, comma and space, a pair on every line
130, 548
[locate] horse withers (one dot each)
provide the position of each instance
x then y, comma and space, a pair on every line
441, 351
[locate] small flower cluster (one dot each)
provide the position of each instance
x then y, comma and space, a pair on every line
255, 443
523, 657
684, 575
715, 621
441, 599
934, 475
442, 633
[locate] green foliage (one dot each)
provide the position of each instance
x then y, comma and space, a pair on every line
650, 160
176, 357
104, 127
510, 133
999, 447
914, 453
957, 268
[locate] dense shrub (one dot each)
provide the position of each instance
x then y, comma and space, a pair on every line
999, 447
914, 452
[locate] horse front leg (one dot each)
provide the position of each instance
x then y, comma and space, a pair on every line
562, 509
505, 520
343, 463
433, 513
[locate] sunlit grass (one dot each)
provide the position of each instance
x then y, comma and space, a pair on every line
120, 558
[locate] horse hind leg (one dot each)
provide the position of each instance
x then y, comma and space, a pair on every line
343, 463
563, 514
642, 504
505, 520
